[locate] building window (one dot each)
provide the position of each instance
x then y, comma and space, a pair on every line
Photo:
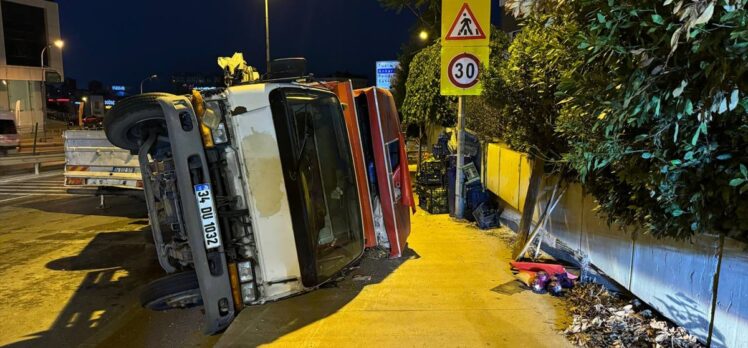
25, 31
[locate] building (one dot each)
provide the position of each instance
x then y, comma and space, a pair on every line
26, 28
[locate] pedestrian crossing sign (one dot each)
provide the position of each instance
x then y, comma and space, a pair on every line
465, 26
466, 22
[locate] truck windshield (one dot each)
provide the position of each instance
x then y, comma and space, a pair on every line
320, 181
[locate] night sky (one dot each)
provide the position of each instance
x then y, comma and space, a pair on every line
122, 42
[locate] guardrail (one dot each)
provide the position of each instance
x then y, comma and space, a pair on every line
35, 160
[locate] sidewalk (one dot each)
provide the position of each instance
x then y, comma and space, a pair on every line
454, 289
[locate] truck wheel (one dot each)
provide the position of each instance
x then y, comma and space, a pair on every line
129, 120
178, 290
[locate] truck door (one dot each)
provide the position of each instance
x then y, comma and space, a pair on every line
377, 106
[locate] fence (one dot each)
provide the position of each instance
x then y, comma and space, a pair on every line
700, 285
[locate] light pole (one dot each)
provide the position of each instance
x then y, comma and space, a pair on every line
59, 44
267, 38
154, 76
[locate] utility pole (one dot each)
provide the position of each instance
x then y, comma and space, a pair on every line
267, 38
459, 201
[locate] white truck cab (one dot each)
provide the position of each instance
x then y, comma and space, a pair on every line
251, 193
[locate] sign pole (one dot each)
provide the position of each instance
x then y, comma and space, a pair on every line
459, 201
464, 50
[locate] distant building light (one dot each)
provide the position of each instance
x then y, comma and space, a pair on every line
109, 102
118, 88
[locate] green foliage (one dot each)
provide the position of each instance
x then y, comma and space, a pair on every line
656, 114
520, 85
423, 101
480, 112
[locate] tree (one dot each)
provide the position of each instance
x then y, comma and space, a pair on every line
481, 114
423, 102
522, 86
656, 116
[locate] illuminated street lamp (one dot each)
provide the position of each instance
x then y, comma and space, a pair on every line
154, 76
423, 35
59, 44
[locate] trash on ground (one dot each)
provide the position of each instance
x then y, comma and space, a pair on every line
548, 268
362, 278
544, 278
602, 319
525, 277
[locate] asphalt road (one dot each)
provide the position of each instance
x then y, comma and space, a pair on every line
72, 272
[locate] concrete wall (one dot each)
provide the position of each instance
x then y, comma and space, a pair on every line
676, 278
27, 118
52, 16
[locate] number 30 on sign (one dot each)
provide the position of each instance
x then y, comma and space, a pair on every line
461, 70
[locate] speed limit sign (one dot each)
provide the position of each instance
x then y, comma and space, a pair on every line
461, 67
463, 70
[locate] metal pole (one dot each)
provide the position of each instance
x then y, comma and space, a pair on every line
459, 201
44, 92
141, 85
36, 129
267, 38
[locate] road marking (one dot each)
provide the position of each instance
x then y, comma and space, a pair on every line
24, 192
30, 177
32, 186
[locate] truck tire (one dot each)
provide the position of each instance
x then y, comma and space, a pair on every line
178, 290
126, 123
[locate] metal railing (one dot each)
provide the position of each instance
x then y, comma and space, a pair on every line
36, 160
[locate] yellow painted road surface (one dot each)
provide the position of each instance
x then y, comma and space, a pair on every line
452, 289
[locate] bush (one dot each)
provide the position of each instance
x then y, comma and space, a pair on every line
521, 87
656, 115
423, 100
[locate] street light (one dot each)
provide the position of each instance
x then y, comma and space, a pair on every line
423, 35
57, 43
154, 76
267, 38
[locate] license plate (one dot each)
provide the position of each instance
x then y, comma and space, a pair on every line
123, 170
110, 182
207, 209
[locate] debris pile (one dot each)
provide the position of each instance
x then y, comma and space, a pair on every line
543, 277
601, 319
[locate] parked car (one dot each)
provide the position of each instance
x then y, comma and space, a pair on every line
9, 141
92, 122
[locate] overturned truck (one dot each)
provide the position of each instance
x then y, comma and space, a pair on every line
255, 192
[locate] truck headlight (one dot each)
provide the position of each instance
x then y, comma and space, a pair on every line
219, 134
248, 293
245, 271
